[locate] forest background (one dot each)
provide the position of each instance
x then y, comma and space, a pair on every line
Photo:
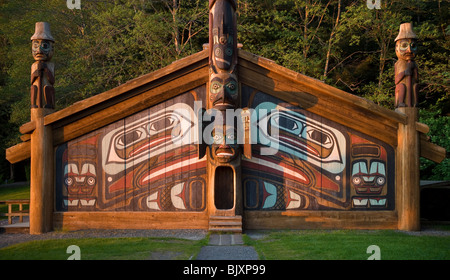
340, 42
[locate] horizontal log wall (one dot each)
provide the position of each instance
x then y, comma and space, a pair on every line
129, 220
320, 220
252, 220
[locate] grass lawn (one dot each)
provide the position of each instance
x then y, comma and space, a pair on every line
350, 245
105, 249
16, 192
276, 245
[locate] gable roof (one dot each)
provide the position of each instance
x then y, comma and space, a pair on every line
188, 73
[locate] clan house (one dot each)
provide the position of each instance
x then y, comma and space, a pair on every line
223, 140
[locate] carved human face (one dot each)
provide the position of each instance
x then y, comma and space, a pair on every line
223, 35
42, 50
406, 49
224, 147
223, 91
222, 49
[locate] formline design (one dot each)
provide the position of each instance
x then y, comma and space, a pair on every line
224, 140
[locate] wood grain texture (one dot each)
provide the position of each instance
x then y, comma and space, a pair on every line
129, 220
320, 220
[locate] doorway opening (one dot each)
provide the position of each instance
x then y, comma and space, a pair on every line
224, 188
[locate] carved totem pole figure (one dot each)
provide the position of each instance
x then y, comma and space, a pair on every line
406, 71
224, 154
42, 71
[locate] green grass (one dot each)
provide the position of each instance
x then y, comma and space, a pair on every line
105, 249
350, 245
13, 192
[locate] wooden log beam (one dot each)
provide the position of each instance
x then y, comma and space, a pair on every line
130, 220
431, 151
261, 220
27, 128
19, 152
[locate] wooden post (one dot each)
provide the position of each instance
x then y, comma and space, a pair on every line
408, 149
42, 175
42, 157
408, 172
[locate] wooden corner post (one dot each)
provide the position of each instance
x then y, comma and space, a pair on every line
408, 149
42, 156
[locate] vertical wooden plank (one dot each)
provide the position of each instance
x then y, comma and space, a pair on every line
157, 154
113, 164
132, 139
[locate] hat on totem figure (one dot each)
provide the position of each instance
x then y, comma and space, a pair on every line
42, 32
406, 32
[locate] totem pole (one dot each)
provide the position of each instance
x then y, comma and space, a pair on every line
42, 71
408, 148
406, 73
224, 154
42, 104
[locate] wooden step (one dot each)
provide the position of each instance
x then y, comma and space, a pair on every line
225, 224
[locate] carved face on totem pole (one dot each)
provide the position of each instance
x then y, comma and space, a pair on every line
42, 42
406, 71
223, 37
224, 148
406, 49
223, 91
42, 70
42, 50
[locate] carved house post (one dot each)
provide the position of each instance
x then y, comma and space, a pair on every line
42, 104
408, 150
224, 154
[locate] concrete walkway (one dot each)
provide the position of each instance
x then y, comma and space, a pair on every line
227, 247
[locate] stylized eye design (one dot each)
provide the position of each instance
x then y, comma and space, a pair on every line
74, 176
404, 45
36, 45
162, 124
292, 132
380, 181
218, 52
230, 87
356, 180
216, 87
45, 46
140, 133
69, 181
288, 124
218, 137
376, 175
320, 137
130, 137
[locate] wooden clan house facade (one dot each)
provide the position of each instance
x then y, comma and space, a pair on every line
221, 140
